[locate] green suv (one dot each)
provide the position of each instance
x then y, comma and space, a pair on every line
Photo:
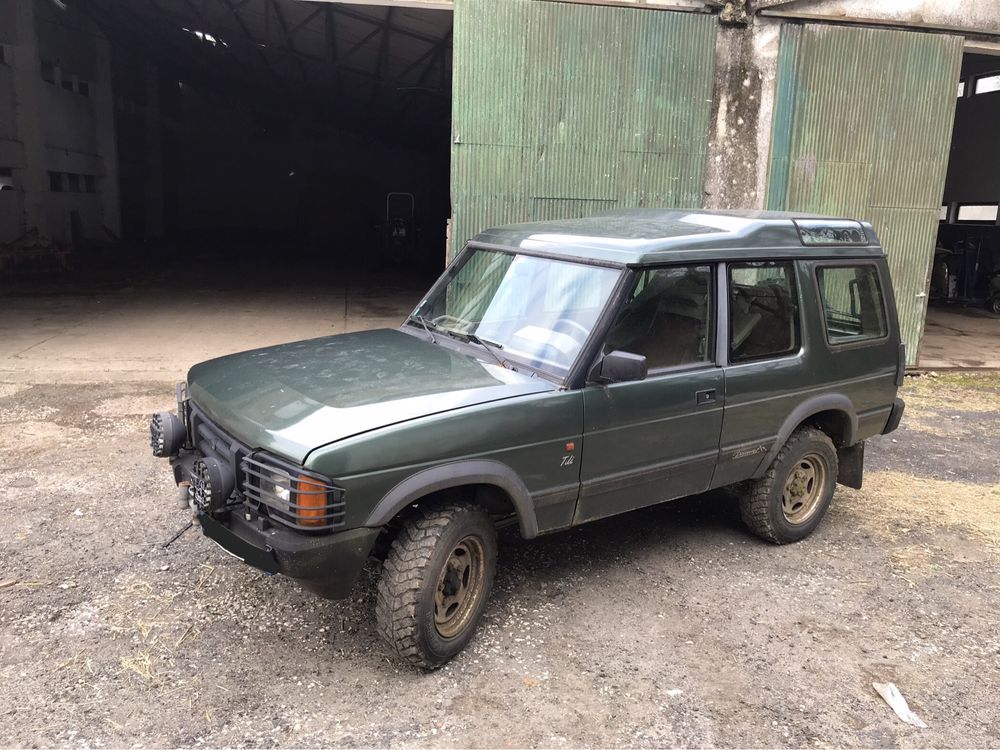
557, 373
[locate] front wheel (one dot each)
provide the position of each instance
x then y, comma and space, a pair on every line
788, 502
435, 583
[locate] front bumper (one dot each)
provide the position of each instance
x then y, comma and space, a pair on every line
327, 565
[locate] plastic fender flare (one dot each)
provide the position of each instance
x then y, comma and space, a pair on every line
456, 474
802, 412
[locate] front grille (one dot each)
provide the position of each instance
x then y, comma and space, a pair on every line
312, 503
251, 467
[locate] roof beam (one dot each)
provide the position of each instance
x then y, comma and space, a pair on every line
288, 39
305, 21
344, 11
438, 55
383, 54
234, 9
330, 34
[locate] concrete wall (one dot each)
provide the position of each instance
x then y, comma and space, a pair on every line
48, 127
746, 61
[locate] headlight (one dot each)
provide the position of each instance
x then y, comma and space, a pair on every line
278, 485
291, 496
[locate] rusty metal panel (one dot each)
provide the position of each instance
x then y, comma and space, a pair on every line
862, 127
563, 110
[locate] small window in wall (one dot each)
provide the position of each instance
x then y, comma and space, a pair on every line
987, 84
74, 183
667, 318
944, 213
6, 179
48, 72
82, 88
67, 83
961, 89
3, 55
853, 306
89, 183
56, 182
763, 311
978, 212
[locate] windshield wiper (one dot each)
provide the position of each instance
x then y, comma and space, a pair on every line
491, 346
427, 326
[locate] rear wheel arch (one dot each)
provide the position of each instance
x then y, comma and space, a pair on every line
490, 484
832, 413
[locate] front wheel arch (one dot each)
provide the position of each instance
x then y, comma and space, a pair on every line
458, 474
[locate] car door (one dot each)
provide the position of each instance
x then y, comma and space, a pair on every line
658, 438
766, 373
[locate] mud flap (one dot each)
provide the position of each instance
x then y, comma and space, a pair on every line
852, 465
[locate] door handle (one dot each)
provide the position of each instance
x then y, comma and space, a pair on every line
702, 398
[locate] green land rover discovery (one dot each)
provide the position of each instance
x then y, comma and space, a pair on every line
557, 373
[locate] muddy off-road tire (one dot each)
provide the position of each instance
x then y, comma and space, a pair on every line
788, 502
435, 583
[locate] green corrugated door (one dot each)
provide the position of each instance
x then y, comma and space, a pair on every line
862, 127
564, 110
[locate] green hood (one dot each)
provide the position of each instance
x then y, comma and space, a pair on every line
292, 398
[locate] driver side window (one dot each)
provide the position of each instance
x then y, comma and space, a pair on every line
667, 317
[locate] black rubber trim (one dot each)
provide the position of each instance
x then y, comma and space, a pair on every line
261, 558
802, 412
895, 416
458, 474
327, 565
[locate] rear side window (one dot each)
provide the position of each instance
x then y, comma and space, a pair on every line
852, 303
763, 311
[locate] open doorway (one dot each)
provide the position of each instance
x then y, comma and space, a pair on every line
963, 314
296, 133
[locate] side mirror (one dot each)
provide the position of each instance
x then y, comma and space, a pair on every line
621, 367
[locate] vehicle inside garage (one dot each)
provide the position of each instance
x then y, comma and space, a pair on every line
963, 314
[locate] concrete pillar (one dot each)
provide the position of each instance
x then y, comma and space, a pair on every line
107, 141
154, 156
27, 78
742, 105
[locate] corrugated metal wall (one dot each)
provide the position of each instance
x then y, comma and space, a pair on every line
862, 127
566, 110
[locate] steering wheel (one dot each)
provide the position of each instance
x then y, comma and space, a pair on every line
576, 331
451, 322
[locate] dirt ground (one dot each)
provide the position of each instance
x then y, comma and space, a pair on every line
668, 626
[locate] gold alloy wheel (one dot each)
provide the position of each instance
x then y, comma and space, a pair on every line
459, 587
803, 489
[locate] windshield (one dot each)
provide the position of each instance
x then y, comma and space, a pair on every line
538, 311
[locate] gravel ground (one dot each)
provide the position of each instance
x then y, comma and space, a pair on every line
667, 626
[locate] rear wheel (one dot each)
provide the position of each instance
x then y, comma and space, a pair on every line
790, 500
435, 583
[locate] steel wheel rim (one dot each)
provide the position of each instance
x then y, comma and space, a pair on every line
459, 587
803, 489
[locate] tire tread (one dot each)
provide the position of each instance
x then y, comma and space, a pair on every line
403, 575
755, 503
